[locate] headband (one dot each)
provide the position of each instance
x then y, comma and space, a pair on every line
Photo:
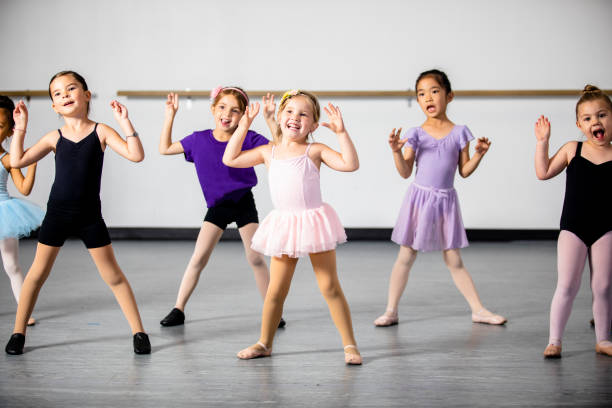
290, 93
217, 90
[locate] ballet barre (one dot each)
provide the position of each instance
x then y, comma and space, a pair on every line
375, 94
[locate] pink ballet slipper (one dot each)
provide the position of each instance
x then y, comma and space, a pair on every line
386, 320
494, 319
255, 352
553, 351
350, 358
604, 347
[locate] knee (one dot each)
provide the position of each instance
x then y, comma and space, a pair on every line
406, 258
114, 279
331, 290
602, 291
566, 290
12, 269
255, 259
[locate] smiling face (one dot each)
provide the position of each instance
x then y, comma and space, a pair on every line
432, 97
6, 129
227, 113
595, 121
297, 119
69, 97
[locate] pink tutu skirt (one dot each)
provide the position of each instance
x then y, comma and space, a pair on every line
299, 233
430, 220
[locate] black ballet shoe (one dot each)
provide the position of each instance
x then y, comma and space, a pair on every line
15, 344
592, 322
282, 323
141, 343
174, 318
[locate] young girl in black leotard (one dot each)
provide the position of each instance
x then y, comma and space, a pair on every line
586, 221
73, 208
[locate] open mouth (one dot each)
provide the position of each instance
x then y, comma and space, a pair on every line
69, 103
225, 122
293, 126
598, 134
430, 108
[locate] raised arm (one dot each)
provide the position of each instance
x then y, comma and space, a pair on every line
269, 109
18, 156
467, 165
165, 141
346, 159
131, 148
546, 167
404, 162
234, 156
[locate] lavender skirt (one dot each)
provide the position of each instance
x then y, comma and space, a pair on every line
430, 220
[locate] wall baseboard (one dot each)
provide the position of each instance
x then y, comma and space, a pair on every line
353, 234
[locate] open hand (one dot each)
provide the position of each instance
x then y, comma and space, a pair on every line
395, 143
172, 104
119, 110
542, 129
20, 116
249, 114
482, 145
269, 106
335, 124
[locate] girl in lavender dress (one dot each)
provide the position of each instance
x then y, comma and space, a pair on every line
430, 218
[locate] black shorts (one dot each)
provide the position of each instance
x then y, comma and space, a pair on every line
58, 225
242, 212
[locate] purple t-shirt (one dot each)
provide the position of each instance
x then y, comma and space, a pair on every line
218, 181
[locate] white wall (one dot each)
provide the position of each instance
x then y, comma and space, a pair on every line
320, 45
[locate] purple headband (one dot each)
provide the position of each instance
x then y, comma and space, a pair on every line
217, 90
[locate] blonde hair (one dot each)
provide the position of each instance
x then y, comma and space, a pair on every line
316, 109
592, 93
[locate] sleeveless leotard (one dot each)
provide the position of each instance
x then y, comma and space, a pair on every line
587, 198
301, 223
74, 207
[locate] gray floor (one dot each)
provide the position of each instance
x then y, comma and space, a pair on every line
80, 355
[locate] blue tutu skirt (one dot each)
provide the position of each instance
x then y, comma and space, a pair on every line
18, 218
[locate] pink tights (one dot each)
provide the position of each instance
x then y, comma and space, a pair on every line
571, 258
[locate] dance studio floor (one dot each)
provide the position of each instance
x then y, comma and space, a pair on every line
80, 352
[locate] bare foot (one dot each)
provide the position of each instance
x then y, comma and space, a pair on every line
32, 321
604, 347
257, 350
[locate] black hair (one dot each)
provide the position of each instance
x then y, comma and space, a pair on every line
439, 76
8, 104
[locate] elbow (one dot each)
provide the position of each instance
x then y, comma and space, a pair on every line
542, 176
227, 161
138, 158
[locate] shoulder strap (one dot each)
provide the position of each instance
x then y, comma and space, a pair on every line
273, 146
578, 148
60, 132
95, 126
307, 148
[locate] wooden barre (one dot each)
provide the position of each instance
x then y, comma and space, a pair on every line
374, 94
338, 94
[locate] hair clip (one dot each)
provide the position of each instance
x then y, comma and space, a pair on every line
290, 93
215, 92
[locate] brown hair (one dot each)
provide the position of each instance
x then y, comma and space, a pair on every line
235, 91
316, 109
439, 76
76, 76
592, 93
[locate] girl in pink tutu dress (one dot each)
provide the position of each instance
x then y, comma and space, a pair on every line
430, 218
301, 223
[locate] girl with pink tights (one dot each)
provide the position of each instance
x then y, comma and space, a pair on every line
586, 222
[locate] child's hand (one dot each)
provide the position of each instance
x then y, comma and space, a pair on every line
249, 114
395, 142
119, 111
172, 104
269, 107
482, 145
336, 124
20, 116
542, 129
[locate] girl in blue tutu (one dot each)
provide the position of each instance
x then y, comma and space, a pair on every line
17, 217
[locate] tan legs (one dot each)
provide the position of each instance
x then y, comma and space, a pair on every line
255, 259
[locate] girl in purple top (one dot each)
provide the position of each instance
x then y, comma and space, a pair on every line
227, 190
430, 219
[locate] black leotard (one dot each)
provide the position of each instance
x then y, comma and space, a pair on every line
586, 208
74, 206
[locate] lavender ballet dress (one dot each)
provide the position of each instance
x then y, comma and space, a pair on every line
430, 217
300, 223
